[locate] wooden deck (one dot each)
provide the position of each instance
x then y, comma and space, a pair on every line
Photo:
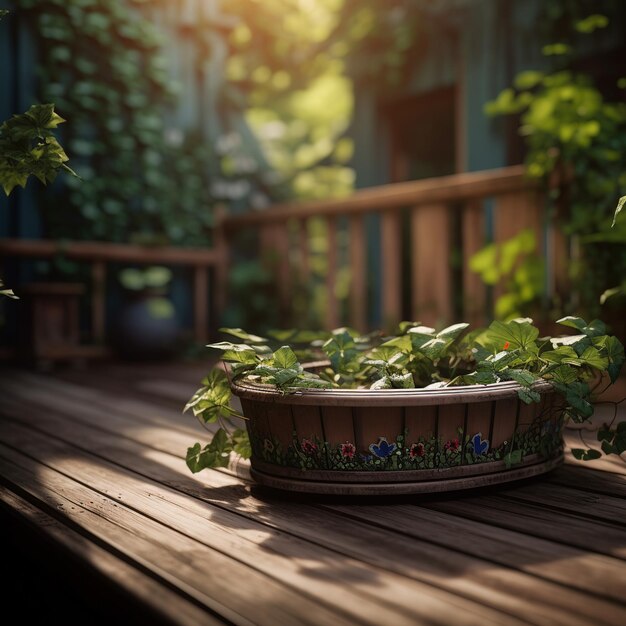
92, 479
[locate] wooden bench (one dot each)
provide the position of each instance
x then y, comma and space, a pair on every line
91, 470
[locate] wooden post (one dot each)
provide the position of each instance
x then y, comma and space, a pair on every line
514, 212
98, 301
431, 275
222, 264
303, 243
332, 305
358, 273
391, 252
473, 238
200, 303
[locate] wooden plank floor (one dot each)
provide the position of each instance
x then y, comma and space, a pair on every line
91, 463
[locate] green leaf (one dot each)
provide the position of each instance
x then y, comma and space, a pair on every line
573, 322
592, 357
517, 334
583, 454
615, 354
243, 335
523, 377
232, 347
563, 354
212, 400
452, 332
618, 210
285, 358
528, 396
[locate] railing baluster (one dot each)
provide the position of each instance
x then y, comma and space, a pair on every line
391, 288
304, 252
431, 275
98, 301
473, 237
200, 303
332, 305
358, 273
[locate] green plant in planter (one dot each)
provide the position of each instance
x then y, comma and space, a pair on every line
416, 357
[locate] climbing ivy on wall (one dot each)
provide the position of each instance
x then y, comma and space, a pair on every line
101, 63
576, 134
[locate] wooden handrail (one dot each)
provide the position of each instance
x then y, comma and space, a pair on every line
397, 195
110, 252
98, 254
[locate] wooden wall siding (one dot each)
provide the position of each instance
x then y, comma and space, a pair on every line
432, 204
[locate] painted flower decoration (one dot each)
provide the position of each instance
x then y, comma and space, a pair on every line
308, 447
452, 444
417, 450
348, 450
268, 446
479, 444
383, 448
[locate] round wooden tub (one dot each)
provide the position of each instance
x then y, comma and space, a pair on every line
399, 441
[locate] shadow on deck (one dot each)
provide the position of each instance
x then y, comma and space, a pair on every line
91, 463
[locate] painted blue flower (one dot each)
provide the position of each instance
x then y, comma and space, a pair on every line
383, 449
479, 444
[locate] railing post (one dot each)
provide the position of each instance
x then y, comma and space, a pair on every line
98, 301
431, 274
473, 239
332, 305
391, 249
358, 274
200, 303
222, 264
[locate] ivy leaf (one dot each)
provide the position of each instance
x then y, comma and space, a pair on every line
231, 347
243, 357
516, 334
528, 396
243, 335
285, 358
402, 381
452, 332
564, 375
583, 454
382, 383
385, 354
212, 400
563, 354
214, 454
573, 322
615, 354
592, 357
435, 348
523, 377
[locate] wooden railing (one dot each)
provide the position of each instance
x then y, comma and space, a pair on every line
413, 229
98, 255
452, 214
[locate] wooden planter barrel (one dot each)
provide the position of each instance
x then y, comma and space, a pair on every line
399, 441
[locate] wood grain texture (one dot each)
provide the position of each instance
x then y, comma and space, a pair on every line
99, 456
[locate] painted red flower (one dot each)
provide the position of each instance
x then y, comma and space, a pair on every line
348, 450
417, 449
507, 345
453, 445
308, 447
